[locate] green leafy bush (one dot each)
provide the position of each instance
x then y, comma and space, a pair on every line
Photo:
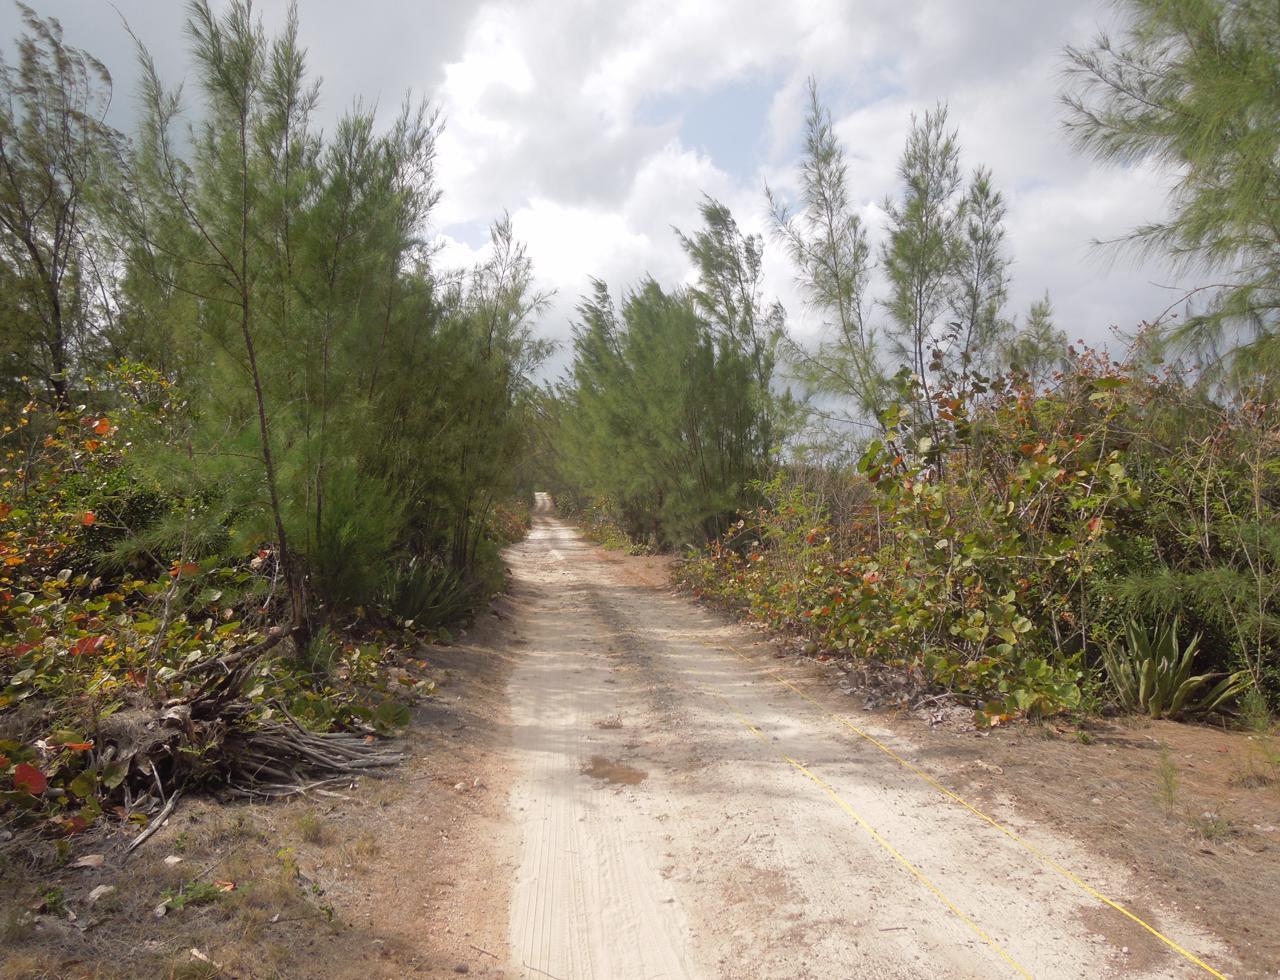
963, 561
1003, 561
88, 649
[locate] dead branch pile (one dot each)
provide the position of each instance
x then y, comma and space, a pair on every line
215, 739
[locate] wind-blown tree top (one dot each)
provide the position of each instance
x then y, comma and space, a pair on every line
943, 276
826, 240
1194, 86
729, 294
57, 155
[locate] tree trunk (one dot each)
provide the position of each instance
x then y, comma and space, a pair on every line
300, 627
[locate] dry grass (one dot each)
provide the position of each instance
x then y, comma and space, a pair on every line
359, 853
1166, 783
312, 829
1252, 777
319, 884
24, 966
1212, 828
232, 896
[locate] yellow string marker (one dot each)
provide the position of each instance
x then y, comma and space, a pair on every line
1027, 846
879, 839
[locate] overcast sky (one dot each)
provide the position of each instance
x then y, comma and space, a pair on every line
599, 125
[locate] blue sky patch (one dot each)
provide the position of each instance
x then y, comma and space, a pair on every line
729, 123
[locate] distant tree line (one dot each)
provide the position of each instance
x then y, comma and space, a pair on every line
680, 401
955, 487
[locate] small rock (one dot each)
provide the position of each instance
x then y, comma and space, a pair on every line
172, 859
89, 861
459, 786
98, 892
462, 968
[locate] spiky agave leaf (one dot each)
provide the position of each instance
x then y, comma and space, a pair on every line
1153, 675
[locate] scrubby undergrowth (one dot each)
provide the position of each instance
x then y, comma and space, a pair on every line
1001, 561
130, 676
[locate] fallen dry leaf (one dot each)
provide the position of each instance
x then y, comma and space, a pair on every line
101, 890
197, 955
29, 779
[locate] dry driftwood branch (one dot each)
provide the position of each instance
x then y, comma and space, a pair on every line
283, 758
229, 671
234, 752
155, 824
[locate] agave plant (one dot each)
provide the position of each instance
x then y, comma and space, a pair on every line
1152, 675
427, 592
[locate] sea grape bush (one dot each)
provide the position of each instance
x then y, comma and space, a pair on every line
996, 562
82, 640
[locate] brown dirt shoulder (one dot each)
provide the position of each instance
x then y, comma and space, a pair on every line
402, 876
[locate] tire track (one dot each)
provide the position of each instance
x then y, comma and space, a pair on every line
725, 861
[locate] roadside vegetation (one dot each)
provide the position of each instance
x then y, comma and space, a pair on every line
254, 443
257, 443
1029, 526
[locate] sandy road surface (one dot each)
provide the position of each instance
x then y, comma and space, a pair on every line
681, 814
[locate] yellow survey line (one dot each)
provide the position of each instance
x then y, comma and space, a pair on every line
875, 835
1030, 848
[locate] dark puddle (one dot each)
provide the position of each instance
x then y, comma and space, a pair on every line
613, 772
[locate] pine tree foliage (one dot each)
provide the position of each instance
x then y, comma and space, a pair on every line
932, 313
1193, 87
670, 412
827, 243
729, 295
923, 250
347, 403
1037, 348
57, 157
982, 281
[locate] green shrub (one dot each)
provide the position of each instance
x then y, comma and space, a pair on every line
428, 593
358, 525
1151, 674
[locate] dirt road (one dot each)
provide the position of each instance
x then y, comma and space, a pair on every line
681, 813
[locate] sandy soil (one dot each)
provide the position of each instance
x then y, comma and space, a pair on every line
617, 782
681, 814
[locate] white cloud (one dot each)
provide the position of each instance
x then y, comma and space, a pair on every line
569, 243
595, 185
576, 116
